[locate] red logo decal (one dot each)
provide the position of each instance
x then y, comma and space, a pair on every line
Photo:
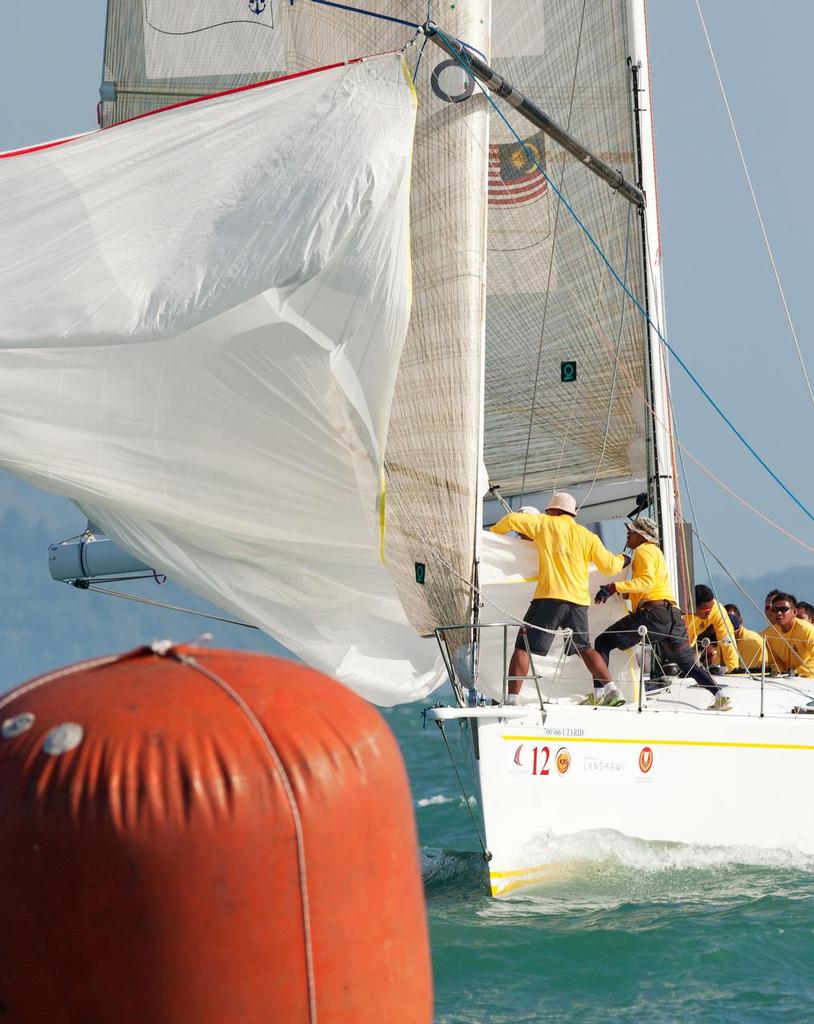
645, 760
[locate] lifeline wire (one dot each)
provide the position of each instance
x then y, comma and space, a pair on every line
755, 203
464, 64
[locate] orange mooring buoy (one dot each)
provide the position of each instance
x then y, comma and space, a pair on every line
205, 836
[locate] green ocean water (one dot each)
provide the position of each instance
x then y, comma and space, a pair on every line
633, 931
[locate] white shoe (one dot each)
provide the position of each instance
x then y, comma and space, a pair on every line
612, 698
513, 700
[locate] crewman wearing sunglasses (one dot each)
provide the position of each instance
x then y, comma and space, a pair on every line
789, 641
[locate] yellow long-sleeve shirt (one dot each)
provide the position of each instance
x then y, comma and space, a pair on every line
750, 647
564, 549
792, 651
649, 580
719, 620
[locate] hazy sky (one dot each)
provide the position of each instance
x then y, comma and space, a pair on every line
723, 310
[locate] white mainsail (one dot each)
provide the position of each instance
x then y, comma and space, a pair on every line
551, 299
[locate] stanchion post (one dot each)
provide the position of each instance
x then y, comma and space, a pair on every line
643, 634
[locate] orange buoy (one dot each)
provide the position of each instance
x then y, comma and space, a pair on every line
205, 836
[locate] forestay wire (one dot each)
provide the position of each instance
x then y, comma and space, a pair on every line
755, 204
586, 231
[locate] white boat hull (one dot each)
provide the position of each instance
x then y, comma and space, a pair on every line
671, 772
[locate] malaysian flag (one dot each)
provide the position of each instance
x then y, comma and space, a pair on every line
513, 175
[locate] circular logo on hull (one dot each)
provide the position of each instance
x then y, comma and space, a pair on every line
645, 760
563, 760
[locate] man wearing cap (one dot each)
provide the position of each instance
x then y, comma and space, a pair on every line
655, 607
561, 600
711, 622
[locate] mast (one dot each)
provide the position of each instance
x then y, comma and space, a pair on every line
663, 475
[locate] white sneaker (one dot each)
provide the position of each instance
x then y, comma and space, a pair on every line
612, 698
513, 700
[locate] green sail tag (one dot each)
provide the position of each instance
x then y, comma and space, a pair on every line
568, 371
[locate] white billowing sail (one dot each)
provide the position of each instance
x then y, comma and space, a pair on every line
158, 52
200, 330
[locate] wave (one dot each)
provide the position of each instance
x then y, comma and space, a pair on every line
440, 798
600, 871
604, 848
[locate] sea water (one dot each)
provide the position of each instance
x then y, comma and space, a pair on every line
630, 931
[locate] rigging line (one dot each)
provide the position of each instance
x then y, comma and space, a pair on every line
168, 607
727, 623
418, 59
551, 261
704, 469
755, 202
370, 14
487, 856
606, 260
566, 437
670, 426
615, 368
679, 524
737, 583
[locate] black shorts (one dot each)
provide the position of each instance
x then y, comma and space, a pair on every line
552, 614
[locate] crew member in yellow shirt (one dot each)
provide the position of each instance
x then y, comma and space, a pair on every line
711, 621
655, 607
561, 600
790, 641
750, 643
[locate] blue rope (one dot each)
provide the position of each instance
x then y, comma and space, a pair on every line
467, 67
370, 14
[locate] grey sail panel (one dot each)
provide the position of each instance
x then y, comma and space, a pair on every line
551, 301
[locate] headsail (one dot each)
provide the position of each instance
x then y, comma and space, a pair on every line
156, 52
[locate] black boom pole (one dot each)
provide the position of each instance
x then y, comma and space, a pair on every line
506, 91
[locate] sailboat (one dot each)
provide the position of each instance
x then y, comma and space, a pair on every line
318, 305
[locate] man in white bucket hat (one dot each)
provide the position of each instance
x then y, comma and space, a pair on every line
561, 600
